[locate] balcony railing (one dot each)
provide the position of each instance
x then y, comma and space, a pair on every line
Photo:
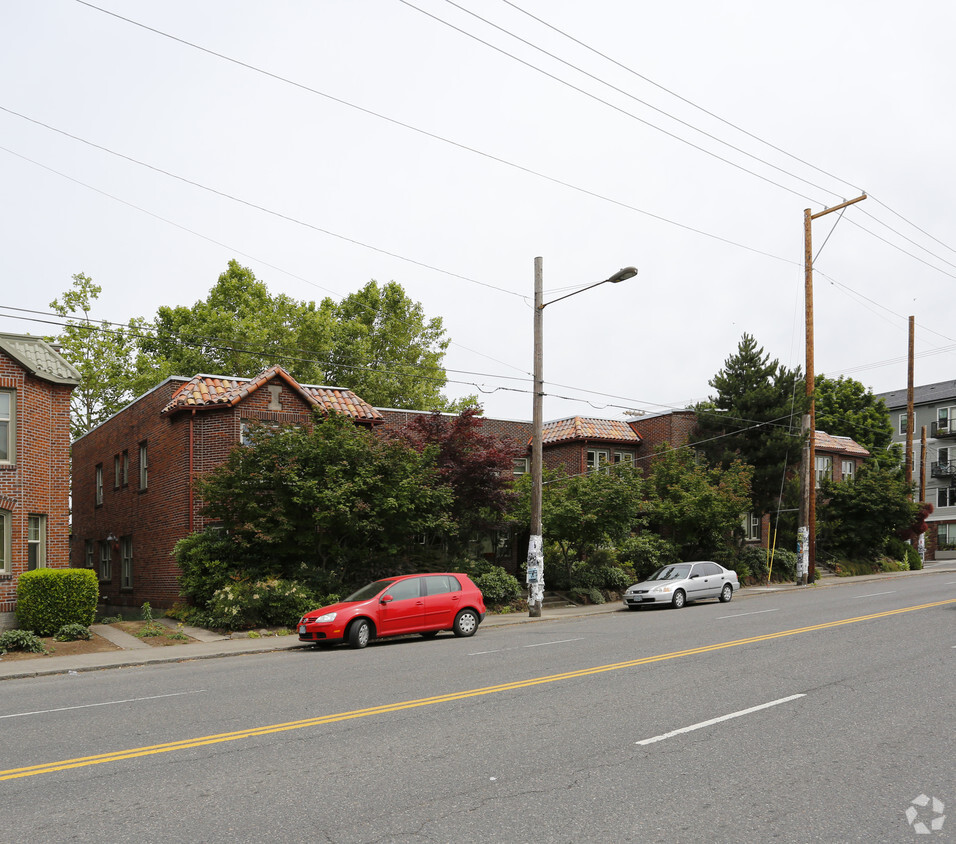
943, 468
938, 431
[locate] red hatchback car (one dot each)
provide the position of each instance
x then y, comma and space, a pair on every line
411, 603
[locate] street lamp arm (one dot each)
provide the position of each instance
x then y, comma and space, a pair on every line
621, 275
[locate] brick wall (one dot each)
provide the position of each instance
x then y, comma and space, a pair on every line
37, 483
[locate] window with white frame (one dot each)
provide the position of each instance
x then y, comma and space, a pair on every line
946, 497
126, 562
848, 469
99, 484
596, 458
8, 426
143, 466
943, 417
946, 536
901, 430
6, 544
89, 554
116, 471
522, 465
624, 457
751, 525
106, 560
36, 542
824, 467
942, 457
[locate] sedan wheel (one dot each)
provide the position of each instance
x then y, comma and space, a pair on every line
466, 623
359, 633
726, 593
679, 599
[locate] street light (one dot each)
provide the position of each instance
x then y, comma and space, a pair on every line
535, 566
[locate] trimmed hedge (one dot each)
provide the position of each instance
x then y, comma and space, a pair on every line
47, 599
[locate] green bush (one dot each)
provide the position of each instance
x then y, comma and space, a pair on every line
267, 603
72, 632
646, 553
904, 553
751, 565
784, 565
47, 599
21, 640
498, 587
200, 558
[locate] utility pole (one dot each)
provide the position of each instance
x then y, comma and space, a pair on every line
534, 570
909, 411
806, 532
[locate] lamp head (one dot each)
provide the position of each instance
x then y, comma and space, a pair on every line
623, 275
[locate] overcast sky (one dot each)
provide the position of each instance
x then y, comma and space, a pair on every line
335, 141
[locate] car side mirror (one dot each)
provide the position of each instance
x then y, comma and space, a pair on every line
387, 599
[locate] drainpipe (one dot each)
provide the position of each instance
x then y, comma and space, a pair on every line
189, 520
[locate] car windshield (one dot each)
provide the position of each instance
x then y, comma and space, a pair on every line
369, 591
671, 573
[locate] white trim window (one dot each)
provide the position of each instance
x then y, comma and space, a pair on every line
902, 425
824, 468
597, 458
126, 562
99, 485
944, 419
6, 542
36, 542
116, 471
946, 536
522, 465
847, 469
946, 497
751, 526
106, 560
8, 426
88, 551
143, 465
624, 457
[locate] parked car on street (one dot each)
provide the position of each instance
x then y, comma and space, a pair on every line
682, 582
412, 603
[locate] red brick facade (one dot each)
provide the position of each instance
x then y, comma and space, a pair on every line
35, 482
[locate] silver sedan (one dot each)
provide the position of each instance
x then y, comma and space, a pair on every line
683, 582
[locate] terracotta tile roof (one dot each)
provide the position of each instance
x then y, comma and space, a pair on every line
822, 441
202, 392
585, 428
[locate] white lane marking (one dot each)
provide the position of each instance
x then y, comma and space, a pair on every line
740, 614
713, 721
104, 703
536, 645
874, 594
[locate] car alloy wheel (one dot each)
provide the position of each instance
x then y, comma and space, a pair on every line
466, 623
359, 633
679, 599
726, 593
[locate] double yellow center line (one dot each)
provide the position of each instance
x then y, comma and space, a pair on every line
253, 732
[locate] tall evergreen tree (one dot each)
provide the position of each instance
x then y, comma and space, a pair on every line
755, 417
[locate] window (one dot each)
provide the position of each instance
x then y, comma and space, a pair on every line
751, 525
88, 557
116, 472
848, 469
942, 456
624, 457
6, 545
99, 484
106, 560
8, 426
124, 471
946, 537
522, 466
441, 584
902, 428
126, 562
943, 415
405, 589
143, 467
946, 497
36, 542
824, 467
596, 458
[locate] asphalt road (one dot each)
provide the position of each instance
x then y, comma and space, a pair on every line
836, 706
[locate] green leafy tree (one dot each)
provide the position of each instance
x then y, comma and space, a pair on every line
102, 353
334, 499
693, 506
755, 417
845, 408
386, 350
855, 518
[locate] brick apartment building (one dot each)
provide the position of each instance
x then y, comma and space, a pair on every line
35, 387
133, 474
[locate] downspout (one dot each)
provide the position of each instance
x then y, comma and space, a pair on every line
189, 520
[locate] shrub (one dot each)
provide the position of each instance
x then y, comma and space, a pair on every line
751, 565
200, 557
498, 587
784, 565
267, 603
72, 632
21, 640
613, 578
903, 552
47, 599
645, 553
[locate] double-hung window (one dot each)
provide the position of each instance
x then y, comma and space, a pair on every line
89, 557
6, 543
36, 542
143, 466
99, 485
824, 468
596, 458
126, 559
106, 560
848, 469
8, 426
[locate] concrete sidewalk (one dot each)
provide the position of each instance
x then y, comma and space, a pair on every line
210, 645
